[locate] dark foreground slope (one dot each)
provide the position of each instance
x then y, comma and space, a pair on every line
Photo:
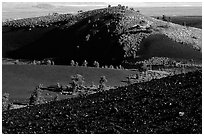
109, 35
169, 105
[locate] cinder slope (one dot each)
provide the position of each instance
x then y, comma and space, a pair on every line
109, 35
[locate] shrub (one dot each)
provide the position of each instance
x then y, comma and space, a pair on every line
49, 62
120, 67
72, 63
184, 23
76, 64
88, 37
96, 64
80, 11
132, 9
36, 97
77, 82
164, 18
5, 101
85, 63
59, 87
52, 63
111, 67
74, 86
102, 84
129, 81
34, 62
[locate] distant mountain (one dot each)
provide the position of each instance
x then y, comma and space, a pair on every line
44, 6
79, 3
109, 35
171, 11
16, 10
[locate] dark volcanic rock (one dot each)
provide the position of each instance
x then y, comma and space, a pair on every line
170, 105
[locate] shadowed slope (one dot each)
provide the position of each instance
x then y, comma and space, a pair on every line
161, 46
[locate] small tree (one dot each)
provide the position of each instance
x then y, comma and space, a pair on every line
36, 97
76, 64
120, 67
96, 64
164, 18
102, 85
80, 11
132, 9
184, 23
169, 19
129, 81
85, 63
34, 62
77, 82
74, 86
111, 67
5, 101
59, 87
52, 63
49, 62
88, 37
72, 63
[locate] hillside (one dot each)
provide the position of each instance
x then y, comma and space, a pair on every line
109, 35
163, 106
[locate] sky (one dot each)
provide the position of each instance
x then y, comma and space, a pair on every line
159, 4
133, 4
17, 10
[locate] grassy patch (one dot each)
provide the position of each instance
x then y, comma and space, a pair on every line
20, 80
